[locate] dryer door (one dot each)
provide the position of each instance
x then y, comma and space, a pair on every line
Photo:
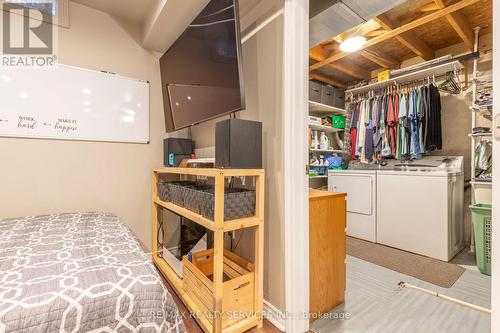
359, 189
361, 204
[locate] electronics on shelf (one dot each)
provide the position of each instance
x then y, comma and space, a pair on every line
175, 150
238, 144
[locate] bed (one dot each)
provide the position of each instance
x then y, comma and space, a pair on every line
82, 272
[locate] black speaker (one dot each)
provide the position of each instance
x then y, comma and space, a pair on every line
238, 144
175, 150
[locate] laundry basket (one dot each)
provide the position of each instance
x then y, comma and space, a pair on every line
481, 217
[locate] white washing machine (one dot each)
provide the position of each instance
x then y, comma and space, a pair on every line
361, 189
420, 206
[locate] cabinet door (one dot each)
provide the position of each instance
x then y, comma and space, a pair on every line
327, 223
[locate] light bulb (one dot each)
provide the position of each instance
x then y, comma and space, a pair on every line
352, 44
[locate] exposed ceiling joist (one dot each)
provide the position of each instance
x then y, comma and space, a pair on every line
430, 7
352, 70
460, 25
376, 33
327, 80
382, 60
317, 53
408, 39
398, 31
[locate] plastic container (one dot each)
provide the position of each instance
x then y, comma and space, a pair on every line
338, 121
481, 217
334, 161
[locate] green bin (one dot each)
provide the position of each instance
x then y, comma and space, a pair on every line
338, 121
481, 217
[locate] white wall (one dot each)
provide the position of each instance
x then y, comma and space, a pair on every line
50, 176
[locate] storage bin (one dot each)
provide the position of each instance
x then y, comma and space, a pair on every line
327, 95
339, 98
481, 218
314, 120
192, 196
237, 289
482, 193
314, 91
200, 199
238, 203
338, 122
172, 191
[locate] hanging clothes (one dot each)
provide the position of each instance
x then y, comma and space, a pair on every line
386, 148
435, 140
403, 124
401, 147
414, 123
392, 123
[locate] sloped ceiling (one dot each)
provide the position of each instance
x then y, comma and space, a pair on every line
130, 10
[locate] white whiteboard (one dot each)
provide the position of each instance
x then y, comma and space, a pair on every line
69, 103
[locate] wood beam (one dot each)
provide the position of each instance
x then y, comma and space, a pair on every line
460, 25
381, 60
327, 80
318, 53
408, 39
352, 70
375, 33
398, 31
430, 7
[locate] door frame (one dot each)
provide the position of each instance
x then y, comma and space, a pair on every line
295, 159
295, 116
495, 273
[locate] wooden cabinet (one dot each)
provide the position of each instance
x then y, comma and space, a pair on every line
327, 250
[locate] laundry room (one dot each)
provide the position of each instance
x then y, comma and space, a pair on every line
400, 120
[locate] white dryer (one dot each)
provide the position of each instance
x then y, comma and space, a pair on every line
420, 206
361, 189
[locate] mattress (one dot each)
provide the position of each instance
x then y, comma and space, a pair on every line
82, 272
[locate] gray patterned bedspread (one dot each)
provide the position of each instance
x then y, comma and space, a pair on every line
79, 273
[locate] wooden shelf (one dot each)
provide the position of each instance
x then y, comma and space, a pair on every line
333, 151
315, 107
419, 74
210, 172
474, 135
219, 227
482, 107
231, 225
325, 128
481, 182
318, 177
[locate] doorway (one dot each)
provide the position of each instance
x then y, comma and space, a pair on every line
401, 172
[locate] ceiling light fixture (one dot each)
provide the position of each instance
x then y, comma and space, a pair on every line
353, 44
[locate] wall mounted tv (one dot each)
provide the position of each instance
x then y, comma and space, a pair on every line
201, 72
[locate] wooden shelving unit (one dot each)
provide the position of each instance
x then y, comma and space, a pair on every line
319, 108
222, 295
324, 128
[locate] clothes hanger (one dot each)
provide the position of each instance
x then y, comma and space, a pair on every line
450, 85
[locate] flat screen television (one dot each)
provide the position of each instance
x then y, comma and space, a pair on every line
201, 72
